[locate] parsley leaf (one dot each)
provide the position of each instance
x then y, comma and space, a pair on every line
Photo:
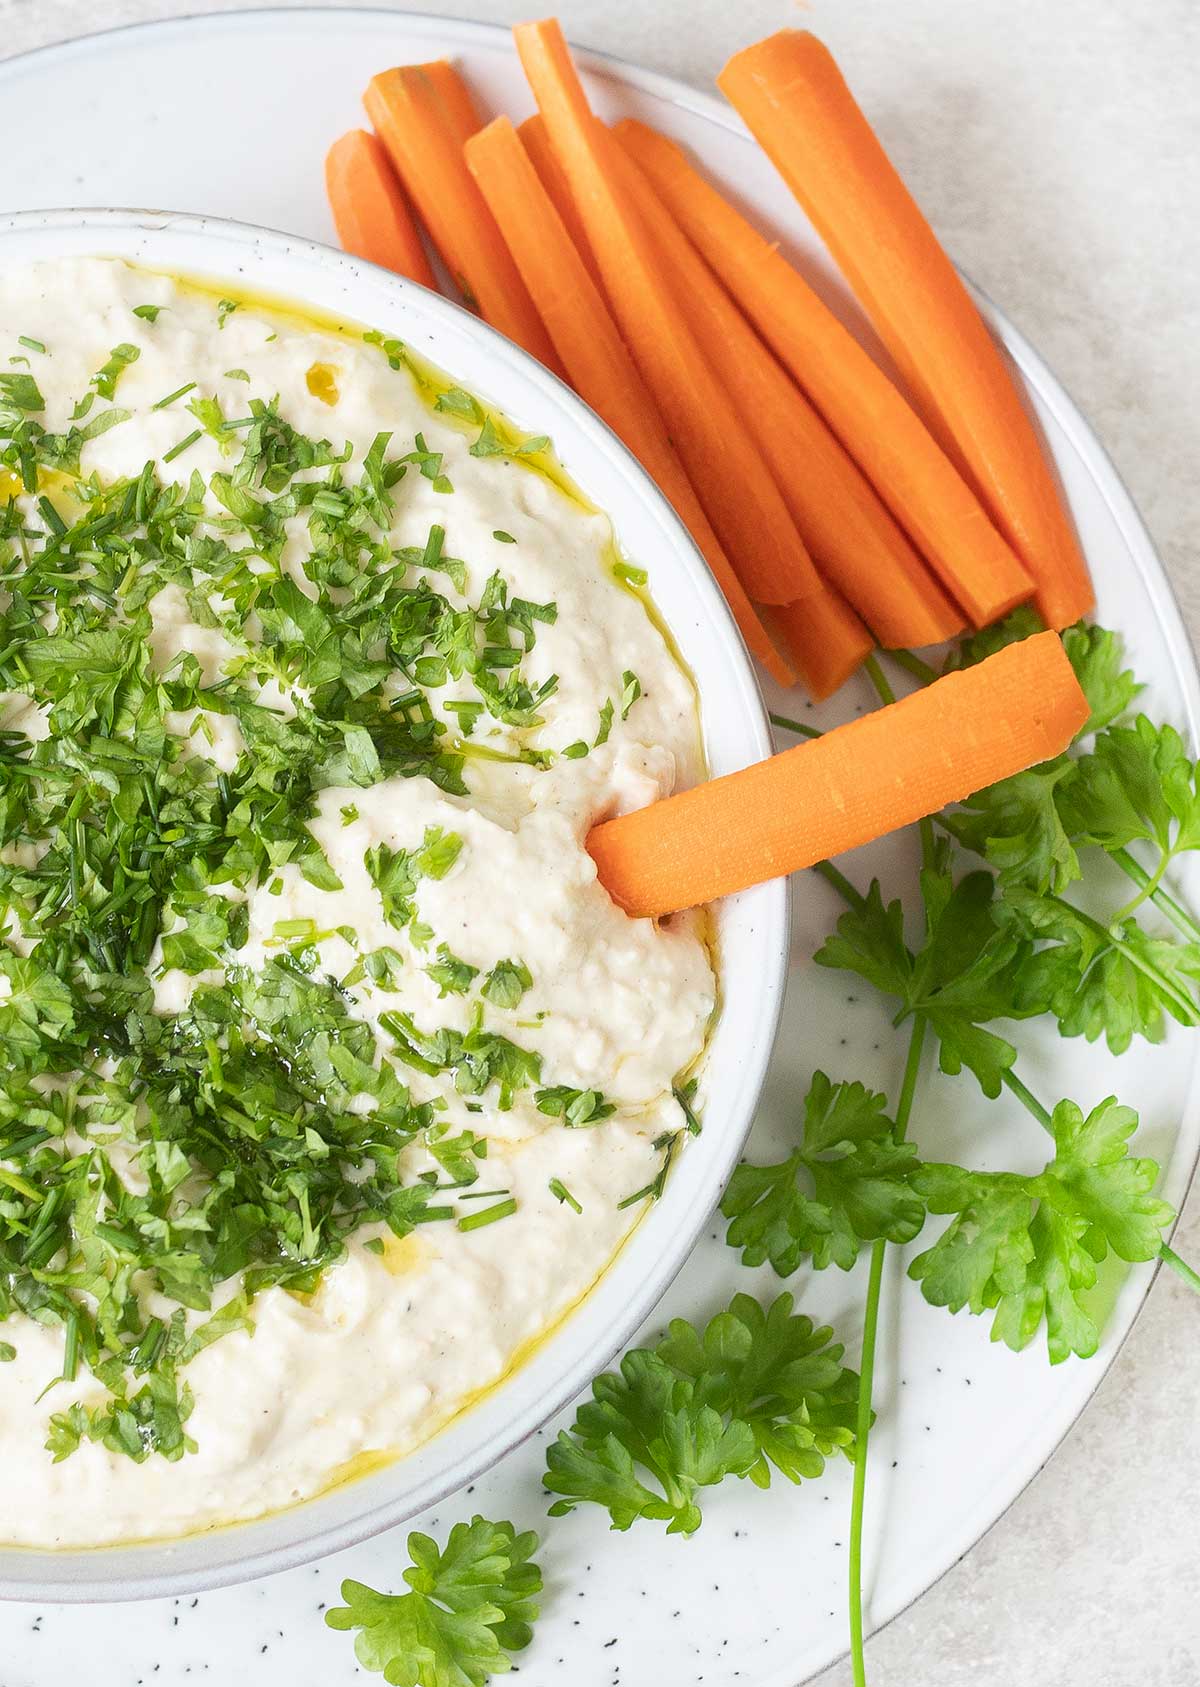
469, 1606
1026, 1248
858, 1173
755, 1390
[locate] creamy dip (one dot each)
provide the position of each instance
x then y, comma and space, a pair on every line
296, 768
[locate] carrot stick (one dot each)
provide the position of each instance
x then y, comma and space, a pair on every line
370, 212
824, 638
907, 467
535, 138
593, 353
458, 103
852, 538
740, 498
792, 95
413, 125
871, 776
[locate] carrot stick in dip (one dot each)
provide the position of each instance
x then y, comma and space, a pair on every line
871, 776
740, 498
795, 101
876, 424
370, 212
413, 124
592, 351
852, 538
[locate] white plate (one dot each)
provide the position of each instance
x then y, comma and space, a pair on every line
232, 114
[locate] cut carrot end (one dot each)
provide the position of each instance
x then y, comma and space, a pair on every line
795, 100
457, 100
872, 776
412, 122
874, 422
738, 494
370, 211
825, 640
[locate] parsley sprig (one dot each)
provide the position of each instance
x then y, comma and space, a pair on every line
470, 1605
757, 1389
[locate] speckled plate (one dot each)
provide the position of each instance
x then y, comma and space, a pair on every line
231, 114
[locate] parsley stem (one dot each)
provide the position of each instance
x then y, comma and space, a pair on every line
1179, 1266
1161, 898
866, 1379
914, 665
1187, 1014
796, 726
879, 679
1027, 1099
834, 876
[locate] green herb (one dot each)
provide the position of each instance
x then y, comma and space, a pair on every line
225, 309
468, 1608
575, 751
754, 1391
574, 1107
105, 379
34, 345
502, 537
170, 398
452, 976
858, 1175
631, 690
506, 983
488, 1215
148, 313
236, 375
183, 445
562, 1194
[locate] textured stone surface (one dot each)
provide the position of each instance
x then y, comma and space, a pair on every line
1055, 144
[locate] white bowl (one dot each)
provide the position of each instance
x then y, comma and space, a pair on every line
752, 928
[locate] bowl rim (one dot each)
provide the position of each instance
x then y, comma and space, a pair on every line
143, 1570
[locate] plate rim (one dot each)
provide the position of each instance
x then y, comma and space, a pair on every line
1041, 379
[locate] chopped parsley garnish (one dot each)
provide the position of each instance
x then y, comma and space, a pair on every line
506, 983
225, 309
106, 377
164, 1168
148, 313
33, 345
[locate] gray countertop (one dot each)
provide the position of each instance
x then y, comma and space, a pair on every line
1056, 146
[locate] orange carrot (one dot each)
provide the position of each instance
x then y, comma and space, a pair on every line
458, 103
792, 95
895, 450
586, 338
370, 212
413, 125
740, 498
871, 776
853, 540
824, 638
535, 138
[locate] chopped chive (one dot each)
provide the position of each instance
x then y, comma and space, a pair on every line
489, 1215
561, 1193
178, 450
34, 345
172, 396
51, 517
